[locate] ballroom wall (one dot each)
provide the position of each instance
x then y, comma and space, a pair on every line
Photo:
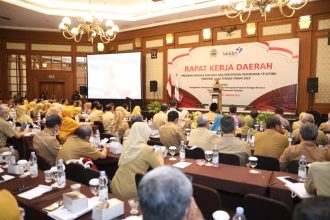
314, 51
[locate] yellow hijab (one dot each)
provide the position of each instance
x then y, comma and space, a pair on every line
69, 125
136, 110
22, 117
8, 206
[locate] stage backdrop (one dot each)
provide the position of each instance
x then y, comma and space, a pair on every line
259, 75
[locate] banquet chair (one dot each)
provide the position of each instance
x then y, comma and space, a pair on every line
100, 126
195, 153
91, 174
268, 163
42, 163
75, 172
230, 159
154, 142
293, 167
203, 195
260, 208
138, 178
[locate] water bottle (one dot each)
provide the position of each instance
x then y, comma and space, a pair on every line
182, 151
239, 214
61, 180
215, 156
302, 168
33, 165
12, 159
261, 128
97, 137
103, 188
249, 136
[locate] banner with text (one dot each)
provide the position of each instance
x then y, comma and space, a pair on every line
258, 75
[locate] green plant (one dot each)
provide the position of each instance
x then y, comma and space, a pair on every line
263, 116
154, 107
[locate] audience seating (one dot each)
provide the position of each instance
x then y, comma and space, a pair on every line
195, 153
154, 142
138, 178
293, 167
261, 208
203, 196
230, 159
78, 173
42, 163
268, 163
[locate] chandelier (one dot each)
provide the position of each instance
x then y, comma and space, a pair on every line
91, 27
243, 8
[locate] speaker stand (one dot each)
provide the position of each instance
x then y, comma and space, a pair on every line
154, 96
312, 104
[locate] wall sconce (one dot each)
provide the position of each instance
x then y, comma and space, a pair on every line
138, 42
100, 47
207, 33
304, 21
229, 29
44, 65
169, 38
251, 28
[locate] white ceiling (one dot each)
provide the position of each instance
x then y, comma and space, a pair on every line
127, 14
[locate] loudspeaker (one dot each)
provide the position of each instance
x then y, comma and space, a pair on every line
312, 85
83, 90
153, 86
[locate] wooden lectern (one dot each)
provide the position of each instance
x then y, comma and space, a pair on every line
217, 94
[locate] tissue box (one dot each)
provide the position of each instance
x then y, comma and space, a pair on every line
114, 209
115, 147
14, 169
75, 201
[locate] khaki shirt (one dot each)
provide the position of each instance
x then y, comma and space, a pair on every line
320, 138
171, 135
270, 143
318, 179
107, 119
75, 148
123, 183
203, 138
159, 119
96, 115
296, 125
6, 131
229, 144
310, 150
46, 145
325, 127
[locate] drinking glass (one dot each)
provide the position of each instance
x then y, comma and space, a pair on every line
22, 166
253, 161
208, 157
6, 157
53, 170
94, 186
172, 150
48, 176
133, 204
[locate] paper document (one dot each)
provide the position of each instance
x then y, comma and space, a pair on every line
35, 192
181, 164
299, 190
6, 178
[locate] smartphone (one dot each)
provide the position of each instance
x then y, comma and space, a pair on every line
21, 189
290, 179
53, 206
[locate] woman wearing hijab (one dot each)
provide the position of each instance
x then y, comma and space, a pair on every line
184, 119
22, 116
69, 125
216, 124
119, 124
136, 157
136, 111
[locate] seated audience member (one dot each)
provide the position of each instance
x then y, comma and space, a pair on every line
325, 127
170, 133
69, 125
173, 107
232, 112
6, 130
119, 124
216, 126
248, 124
9, 209
88, 107
284, 122
201, 136
136, 110
166, 193
194, 119
126, 108
184, 119
160, 118
96, 113
316, 208
254, 114
296, 124
54, 111
108, 117
134, 118
76, 96
271, 142
229, 144
136, 157
122, 110
318, 179
64, 102
320, 139
78, 146
22, 116
213, 112
45, 142
37, 111
308, 133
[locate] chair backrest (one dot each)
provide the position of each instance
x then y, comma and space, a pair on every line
100, 126
203, 195
293, 166
230, 159
42, 163
138, 178
91, 174
154, 142
75, 172
195, 153
261, 208
268, 163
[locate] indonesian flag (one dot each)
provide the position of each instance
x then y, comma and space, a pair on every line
176, 90
169, 85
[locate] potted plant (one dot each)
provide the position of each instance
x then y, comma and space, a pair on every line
154, 107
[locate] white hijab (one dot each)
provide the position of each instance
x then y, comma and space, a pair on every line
136, 141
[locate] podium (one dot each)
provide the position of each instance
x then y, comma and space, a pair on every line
216, 97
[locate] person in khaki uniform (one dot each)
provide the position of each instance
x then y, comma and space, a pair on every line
325, 126
136, 157
271, 142
308, 133
108, 117
6, 130
160, 118
45, 143
69, 125
321, 139
318, 179
170, 133
96, 114
229, 144
248, 123
78, 146
201, 136
296, 124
